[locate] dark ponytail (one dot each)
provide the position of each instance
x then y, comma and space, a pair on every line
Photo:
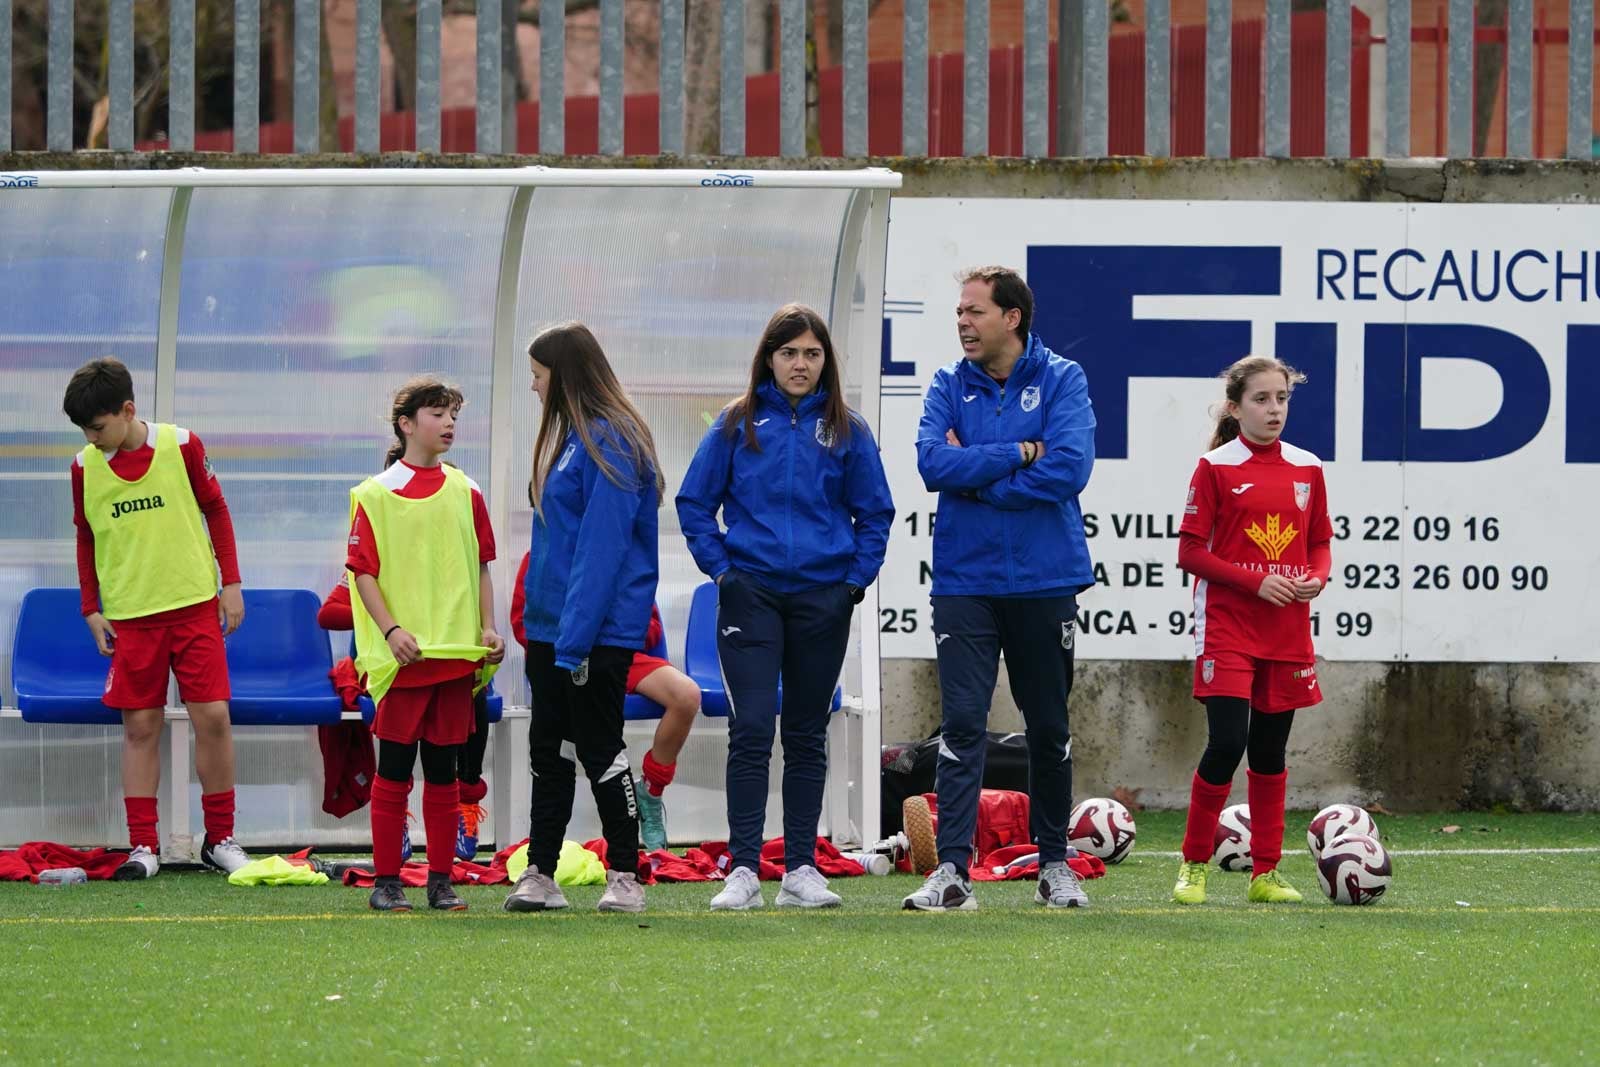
424, 391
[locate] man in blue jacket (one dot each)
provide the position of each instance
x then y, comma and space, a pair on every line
1007, 441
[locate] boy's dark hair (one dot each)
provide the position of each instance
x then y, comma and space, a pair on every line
1009, 291
99, 387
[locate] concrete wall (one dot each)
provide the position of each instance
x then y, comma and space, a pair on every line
1411, 736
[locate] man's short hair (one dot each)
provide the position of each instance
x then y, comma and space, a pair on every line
99, 387
1010, 291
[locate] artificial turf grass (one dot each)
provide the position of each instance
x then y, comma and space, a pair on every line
187, 967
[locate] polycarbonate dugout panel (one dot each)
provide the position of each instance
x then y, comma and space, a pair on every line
274, 313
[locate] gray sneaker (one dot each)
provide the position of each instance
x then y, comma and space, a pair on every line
535, 892
623, 893
945, 890
804, 887
741, 891
1058, 887
226, 856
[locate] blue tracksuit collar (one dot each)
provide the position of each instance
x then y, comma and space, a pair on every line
1023, 371
771, 398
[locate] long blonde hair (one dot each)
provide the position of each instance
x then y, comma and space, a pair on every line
1234, 379
583, 390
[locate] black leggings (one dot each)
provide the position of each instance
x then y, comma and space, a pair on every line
469, 762
395, 761
1237, 729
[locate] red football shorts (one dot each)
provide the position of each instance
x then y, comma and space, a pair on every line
1269, 685
643, 666
440, 714
143, 656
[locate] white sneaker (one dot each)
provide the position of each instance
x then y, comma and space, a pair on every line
226, 856
141, 863
945, 890
741, 891
804, 887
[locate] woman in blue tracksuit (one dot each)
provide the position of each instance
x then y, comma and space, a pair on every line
797, 478
591, 579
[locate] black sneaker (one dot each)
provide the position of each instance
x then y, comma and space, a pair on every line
388, 895
442, 896
141, 863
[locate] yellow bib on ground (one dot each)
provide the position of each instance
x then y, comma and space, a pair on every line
575, 866
151, 549
275, 870
428, 550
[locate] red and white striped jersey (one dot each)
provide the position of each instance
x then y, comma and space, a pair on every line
1254, 510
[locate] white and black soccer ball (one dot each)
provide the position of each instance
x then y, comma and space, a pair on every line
1232, 851
1354, 869
1102, 827
1335, 821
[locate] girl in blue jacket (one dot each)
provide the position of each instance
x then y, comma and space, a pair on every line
805, 519
590, 582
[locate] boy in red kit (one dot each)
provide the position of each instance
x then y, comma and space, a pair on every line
147, 572
420, 545
1255, 536
654, 679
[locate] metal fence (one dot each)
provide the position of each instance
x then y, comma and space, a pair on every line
1077, 112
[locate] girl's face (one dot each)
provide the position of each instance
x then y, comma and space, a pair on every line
797, 365
431, 431
1264, 407
541, 378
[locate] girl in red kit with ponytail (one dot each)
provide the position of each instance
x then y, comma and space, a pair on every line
1256, 537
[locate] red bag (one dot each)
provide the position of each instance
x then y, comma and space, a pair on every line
1002, 819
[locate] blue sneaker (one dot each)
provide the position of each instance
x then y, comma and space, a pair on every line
467, 830
405, 839
652, 819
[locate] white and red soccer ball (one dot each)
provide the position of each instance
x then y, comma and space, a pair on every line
1102, 827
1354, 869
1232, 851
1335, 821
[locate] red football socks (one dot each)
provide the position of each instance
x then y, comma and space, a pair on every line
441, 807
1206, 802
1266, 820
142, 822
474, 792
217, 809
657, 776
388, 824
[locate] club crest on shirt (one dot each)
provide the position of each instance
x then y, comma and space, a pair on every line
824, 433
1208, 670
1030, 398
566, 457
1302, 494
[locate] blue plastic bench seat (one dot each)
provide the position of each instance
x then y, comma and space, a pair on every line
57, 672
700, 656
278, 662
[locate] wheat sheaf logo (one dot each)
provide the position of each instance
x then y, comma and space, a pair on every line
1273, 540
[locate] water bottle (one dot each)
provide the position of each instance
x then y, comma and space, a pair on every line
59, 876
874, 862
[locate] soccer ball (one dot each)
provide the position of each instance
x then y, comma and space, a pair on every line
1354, 869
1336, 820
1102, 827
1232, 851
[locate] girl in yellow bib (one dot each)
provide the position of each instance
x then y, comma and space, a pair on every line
423, 602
